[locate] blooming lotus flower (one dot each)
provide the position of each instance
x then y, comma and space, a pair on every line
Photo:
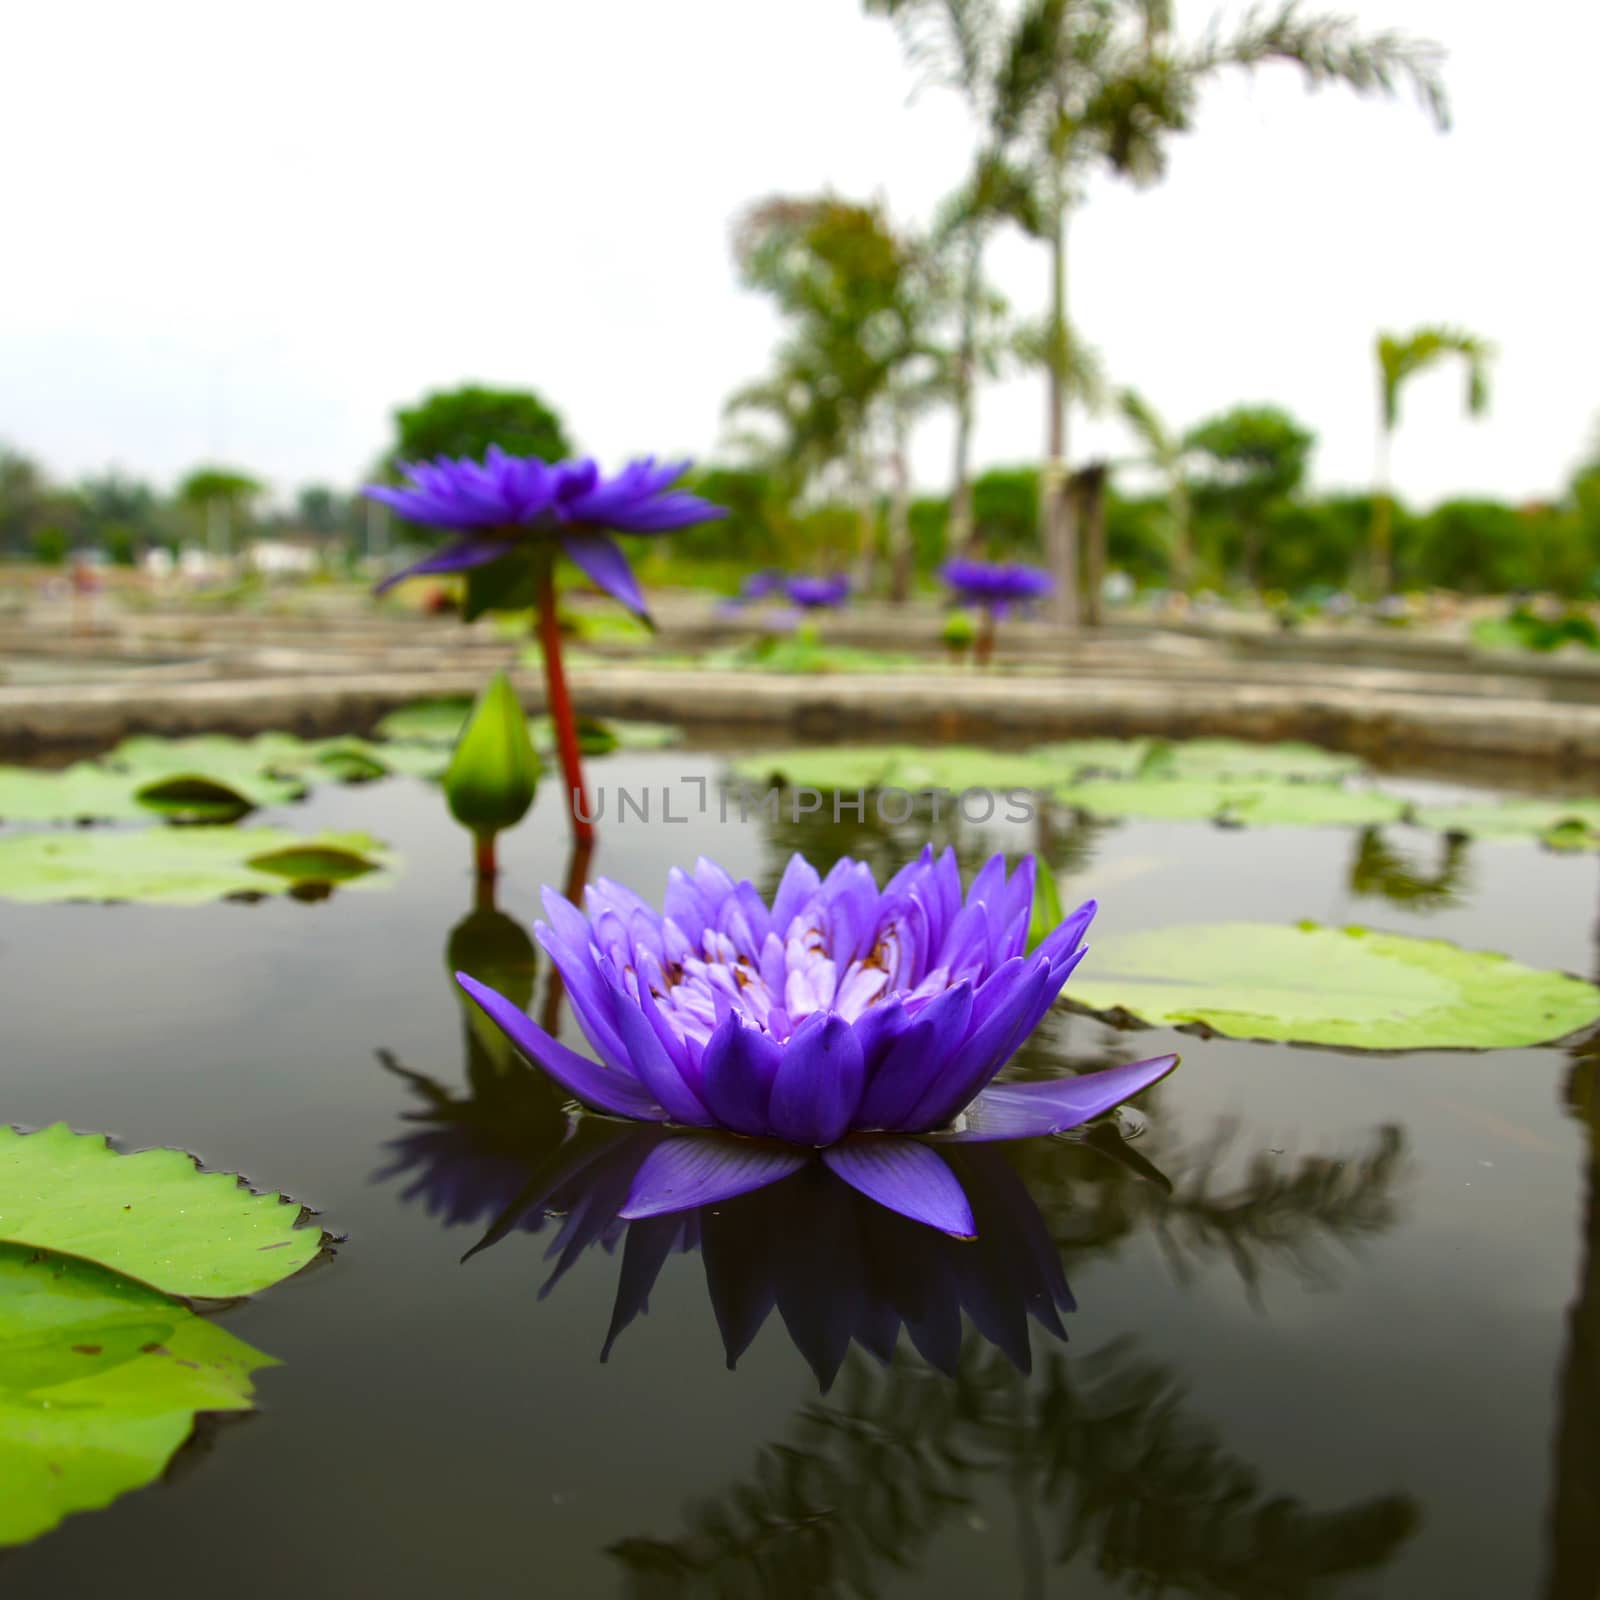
817, 594
505, 503
830, 1025
997, 587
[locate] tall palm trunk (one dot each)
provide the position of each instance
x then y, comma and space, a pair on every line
958, 531
1182, 534
900, 512
1382, 516
866, 520
1060, 530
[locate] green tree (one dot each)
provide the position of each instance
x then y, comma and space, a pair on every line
466, 421
1101, 85
858, 360
1252, 457
24, 497
1165, 453
1401, 357
223, 498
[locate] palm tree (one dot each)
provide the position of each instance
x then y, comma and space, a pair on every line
861, 301
956, 44
1089, 85
219, 493
1165, 453
1400, 358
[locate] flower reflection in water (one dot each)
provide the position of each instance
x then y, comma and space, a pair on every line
837, 1268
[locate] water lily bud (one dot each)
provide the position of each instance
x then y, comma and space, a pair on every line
494, 771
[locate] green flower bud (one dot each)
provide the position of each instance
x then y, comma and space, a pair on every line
494, 771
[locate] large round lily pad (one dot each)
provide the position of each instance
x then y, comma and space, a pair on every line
101, 1379
178, 866
439, 723
1561, 824
1293, 804
909, 767
1332, 986
154, 1216
83, 792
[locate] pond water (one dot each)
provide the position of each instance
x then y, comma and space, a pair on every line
1331, 1320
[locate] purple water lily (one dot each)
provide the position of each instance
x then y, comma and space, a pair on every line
829, 1025
998, 587
818, 594
499, 504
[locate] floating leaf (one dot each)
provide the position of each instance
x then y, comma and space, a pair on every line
909, 767
1108, 758
84, 792
439, 722
427, 721
171, 866
1310, 805
194, 778
1333, 986
1287, 759
153, 1216
101, 1380
1561, 824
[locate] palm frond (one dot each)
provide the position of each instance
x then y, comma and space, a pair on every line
1328, 48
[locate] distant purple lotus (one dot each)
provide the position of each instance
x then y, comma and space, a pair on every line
997, 587
835, 1023
817, 594
504, 502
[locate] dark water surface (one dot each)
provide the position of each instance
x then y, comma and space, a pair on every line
1355, 1351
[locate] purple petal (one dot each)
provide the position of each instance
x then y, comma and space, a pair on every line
602, 560
819, 1081
906, 1177
1063, 940
455, 557
700, 1169
739, 1066
604, 1088
916, 1060
649, 1059
1028, 1110
987, 1048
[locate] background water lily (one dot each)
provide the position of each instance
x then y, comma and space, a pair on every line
506, 508
818, 594
827, 1026
995, 588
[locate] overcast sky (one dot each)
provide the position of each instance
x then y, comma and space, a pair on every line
247, 232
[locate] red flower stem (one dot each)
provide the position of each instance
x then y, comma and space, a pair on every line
483, 858
983, 646
555, 680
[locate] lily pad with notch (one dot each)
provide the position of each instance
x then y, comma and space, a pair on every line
1348, 987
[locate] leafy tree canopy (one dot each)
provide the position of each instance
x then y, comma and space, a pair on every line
1255, 453
205, 484
466, 421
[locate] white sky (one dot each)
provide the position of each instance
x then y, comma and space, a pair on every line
248, 231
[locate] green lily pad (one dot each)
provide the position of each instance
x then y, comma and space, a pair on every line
153, 1216
202, 779
177, 866
439, 723
1331, 986
1560, 824
1287, 760
1266, 804
909, 767
101, 1380
1100, 758
84, 792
